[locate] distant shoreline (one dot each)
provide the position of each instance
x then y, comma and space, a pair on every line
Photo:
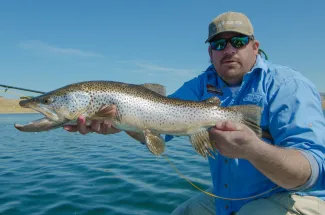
3, 113
11, 106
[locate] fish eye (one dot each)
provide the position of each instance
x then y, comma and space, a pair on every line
46, 101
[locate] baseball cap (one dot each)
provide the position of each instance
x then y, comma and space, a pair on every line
230, 22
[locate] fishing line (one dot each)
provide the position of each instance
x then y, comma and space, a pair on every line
184, 177
16, 94
210, 194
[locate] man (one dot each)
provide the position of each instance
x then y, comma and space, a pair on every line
244, 165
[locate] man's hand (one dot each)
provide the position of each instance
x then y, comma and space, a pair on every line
98, 126
288, 168
234, 140
101, 126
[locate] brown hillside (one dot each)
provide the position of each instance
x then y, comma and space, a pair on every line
12, 106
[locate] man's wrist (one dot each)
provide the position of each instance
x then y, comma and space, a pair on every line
255, 150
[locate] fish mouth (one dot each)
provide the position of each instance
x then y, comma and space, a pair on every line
50, 121
39, 125
43, 109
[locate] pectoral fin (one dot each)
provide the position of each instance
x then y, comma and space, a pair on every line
107, 112
154, 142
201, 143
158, 88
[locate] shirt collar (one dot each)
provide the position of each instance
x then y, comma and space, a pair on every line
260, 65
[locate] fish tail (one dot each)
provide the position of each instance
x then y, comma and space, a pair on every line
251, 117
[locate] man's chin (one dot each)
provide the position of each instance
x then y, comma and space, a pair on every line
231, 76
231, 71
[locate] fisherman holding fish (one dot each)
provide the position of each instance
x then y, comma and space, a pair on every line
241, 98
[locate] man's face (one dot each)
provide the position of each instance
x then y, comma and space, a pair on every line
232, 63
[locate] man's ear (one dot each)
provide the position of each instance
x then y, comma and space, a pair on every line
210, 52
256, 46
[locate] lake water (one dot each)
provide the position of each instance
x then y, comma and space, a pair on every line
57, 172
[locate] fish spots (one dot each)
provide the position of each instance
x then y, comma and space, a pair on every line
140, 106
76, 101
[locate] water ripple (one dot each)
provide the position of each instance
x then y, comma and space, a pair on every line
57, 172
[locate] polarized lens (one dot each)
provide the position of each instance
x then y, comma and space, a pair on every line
238, 42
219, 44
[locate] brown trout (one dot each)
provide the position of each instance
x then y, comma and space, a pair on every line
141, 108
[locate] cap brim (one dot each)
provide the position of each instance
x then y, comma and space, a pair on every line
232, 31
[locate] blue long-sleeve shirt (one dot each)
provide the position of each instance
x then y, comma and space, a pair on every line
293, 115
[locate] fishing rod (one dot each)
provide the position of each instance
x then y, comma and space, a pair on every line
19, 88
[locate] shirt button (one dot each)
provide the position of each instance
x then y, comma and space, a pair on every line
226, 160
227, 207
226, 185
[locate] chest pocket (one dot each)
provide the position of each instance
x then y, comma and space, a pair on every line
259, 100
254, 99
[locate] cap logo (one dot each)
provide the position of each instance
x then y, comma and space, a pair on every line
221, 24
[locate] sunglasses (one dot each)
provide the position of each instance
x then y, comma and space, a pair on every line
236, 41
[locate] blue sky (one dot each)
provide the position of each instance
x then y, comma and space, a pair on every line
48, 44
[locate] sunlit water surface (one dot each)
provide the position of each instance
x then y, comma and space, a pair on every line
58, 172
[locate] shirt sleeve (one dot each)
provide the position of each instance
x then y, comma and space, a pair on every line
297, 121
190, 90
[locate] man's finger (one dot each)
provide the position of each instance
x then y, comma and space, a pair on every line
70, 128
232, 126
107, 128
82, 128
228, 126
95, 126
215, 133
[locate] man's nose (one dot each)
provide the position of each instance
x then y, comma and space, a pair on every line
229, 49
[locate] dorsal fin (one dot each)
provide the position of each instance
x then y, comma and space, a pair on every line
158, 88
213, 100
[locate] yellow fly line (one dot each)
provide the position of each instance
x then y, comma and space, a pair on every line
210, 194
